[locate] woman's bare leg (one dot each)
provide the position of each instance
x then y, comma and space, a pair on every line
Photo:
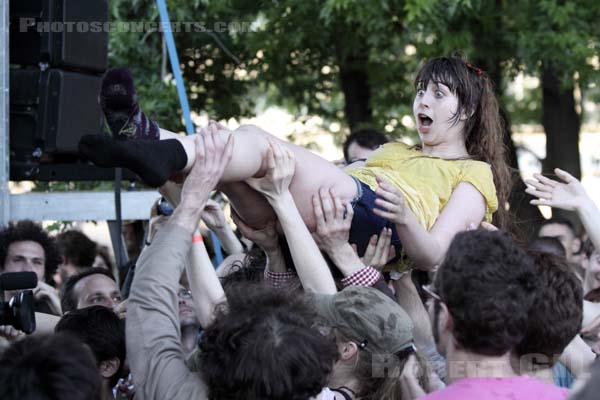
156, 162
312, 172
249, 154
186, 141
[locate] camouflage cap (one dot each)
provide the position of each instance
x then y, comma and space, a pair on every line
369, 317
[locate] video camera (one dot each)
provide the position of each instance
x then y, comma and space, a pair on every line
18, 311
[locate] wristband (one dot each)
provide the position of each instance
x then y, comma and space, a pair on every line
197, 238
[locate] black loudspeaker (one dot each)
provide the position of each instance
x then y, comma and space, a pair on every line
58, 53
52, 109
60, 33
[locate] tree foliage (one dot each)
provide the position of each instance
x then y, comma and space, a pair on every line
292, 52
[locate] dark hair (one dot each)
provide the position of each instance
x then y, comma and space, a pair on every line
102, 330
588, 247
251, 269
593, 295
368, 138
49, 367
134, 246
556, 315
484, 129
488, 284
77, 248
549, 245
262, 345
560, 221
68, 300
27, 230
102, 252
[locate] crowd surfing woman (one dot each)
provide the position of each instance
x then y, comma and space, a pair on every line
425, 194
376, 357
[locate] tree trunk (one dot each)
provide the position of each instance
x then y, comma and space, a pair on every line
561, 123
357, 91
526, 217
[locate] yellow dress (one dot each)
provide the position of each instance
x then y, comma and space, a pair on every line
427, 182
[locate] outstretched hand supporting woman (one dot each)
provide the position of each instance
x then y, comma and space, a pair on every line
267, 239
309, 261
212, 155
333, 219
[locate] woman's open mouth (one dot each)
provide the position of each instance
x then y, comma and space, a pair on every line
424, 123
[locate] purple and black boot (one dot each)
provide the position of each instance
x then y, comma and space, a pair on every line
119, 102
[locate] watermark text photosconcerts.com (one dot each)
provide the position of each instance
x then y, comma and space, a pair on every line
31, 24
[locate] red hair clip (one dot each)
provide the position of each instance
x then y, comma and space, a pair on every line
477, 70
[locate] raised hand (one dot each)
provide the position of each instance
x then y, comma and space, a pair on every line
121, 309
218, 125
125, 389
567, 195
280, 171
333, 220
379, 250
484, 225
213, 216
10, 333
45, 292
410, 377
391, 203
212, 156
265, 238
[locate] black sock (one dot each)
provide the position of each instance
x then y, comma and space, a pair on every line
153, 160
119, 102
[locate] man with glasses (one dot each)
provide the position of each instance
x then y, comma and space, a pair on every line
481, 299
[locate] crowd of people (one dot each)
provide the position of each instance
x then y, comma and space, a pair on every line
394, 276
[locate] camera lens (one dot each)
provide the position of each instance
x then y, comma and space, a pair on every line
19, 313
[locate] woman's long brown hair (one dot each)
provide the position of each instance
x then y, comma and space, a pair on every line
484, 131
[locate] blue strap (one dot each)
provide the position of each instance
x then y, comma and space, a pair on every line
183, 100
218, 259
168, 34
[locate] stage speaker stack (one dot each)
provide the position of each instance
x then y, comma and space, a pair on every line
58, 54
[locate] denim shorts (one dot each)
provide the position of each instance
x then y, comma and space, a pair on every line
366, 223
